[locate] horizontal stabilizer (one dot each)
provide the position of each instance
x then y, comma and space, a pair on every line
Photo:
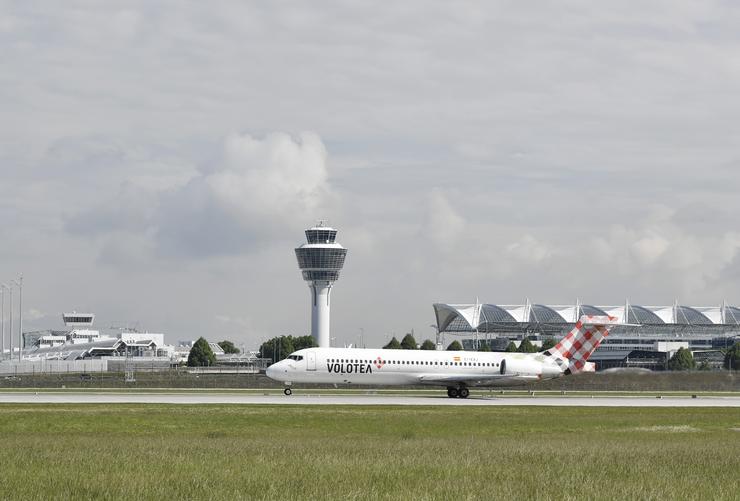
604, 320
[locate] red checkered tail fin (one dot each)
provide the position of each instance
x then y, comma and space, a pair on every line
581, 342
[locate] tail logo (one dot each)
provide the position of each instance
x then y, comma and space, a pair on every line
582, 341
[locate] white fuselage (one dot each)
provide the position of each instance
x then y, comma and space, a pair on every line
412, 367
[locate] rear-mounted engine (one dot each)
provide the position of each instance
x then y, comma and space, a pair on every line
528, 367
521, 367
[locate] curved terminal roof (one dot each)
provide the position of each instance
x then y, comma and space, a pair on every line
642, 315
732, 315
492, 317
490, 313
541, 314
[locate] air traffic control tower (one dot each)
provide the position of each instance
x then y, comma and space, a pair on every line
320, 260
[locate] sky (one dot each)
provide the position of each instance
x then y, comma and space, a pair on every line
160, 160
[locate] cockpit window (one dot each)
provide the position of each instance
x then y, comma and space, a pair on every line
297, 358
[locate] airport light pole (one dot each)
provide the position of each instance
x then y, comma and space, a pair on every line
2, 321
10, 333
436, 335
19, 283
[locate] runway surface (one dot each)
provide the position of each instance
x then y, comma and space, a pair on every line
369, 399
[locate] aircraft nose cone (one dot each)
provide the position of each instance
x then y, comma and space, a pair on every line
271, 372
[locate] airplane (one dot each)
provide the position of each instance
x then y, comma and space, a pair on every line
457, 370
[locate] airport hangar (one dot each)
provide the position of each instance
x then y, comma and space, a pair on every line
647, 338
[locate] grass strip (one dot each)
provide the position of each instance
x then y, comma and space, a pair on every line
301, 452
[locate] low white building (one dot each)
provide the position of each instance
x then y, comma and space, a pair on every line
670, 347
51, 340
81, 342
81, 336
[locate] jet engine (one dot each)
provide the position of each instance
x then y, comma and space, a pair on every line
529, 367
519, 366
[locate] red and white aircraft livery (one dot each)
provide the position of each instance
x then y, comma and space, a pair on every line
457, 370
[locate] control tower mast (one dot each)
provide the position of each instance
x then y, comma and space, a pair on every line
320, 260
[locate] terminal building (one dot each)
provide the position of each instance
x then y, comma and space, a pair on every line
81, 348
80, 341
647, 336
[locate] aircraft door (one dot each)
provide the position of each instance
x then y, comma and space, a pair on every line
311, 361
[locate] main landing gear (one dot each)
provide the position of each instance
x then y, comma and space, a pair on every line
461, 392
288, 391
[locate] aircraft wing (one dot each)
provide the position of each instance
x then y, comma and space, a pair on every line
473, 380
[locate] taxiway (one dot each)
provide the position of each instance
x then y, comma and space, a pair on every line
362, 399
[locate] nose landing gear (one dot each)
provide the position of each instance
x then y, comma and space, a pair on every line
288, 391
461, 392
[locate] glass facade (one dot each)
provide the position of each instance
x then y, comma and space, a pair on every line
587, 309
321, 235
456, 324
691, 325
329, 259
321, 275
545, 315
640, 315
687, 315
645, 334
493, 313
732, 315
78, 319
318, 263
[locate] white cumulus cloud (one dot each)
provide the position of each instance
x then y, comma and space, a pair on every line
259, 189
529, 249
276, 179
648, 249
444, 226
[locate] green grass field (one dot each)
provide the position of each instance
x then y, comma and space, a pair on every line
326, 452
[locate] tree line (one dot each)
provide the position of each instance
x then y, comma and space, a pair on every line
683, 360
280, 347
409, 343
201, 354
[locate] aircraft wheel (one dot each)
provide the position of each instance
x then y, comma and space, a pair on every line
452, 392
464, 392
288, 391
